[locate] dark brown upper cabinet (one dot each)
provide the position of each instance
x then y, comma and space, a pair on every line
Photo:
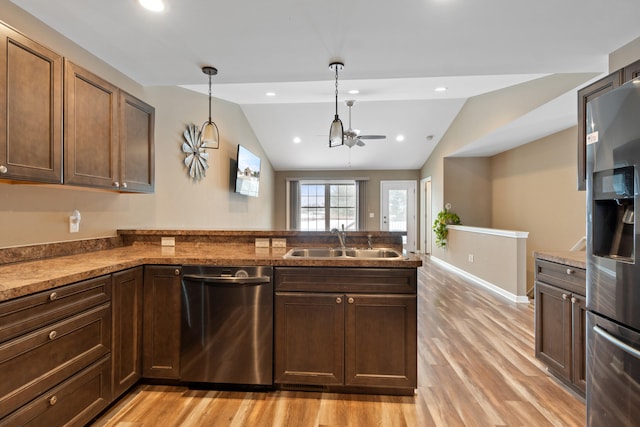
30, 110
137, 122
90, 129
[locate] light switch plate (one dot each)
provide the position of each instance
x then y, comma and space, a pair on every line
168, 241
279, 243
262, 243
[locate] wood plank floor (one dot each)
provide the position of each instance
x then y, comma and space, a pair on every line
476, 367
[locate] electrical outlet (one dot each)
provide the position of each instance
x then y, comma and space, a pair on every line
74, 225
471, 258
279, 243
167, 241
262, 243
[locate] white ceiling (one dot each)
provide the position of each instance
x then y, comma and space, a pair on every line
395, 52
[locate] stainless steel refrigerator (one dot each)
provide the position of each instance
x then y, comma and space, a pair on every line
613, 268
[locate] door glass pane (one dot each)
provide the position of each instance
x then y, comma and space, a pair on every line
398, 210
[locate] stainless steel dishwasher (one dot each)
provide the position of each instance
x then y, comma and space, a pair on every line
227, 325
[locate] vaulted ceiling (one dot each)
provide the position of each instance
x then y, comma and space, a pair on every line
396, 53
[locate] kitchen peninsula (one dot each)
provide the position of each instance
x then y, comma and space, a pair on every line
104, 319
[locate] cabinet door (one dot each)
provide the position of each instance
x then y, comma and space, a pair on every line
309, 338
161, 322
90, 129
585, 95
553, 328
30, 110
579, 313
381, 340
127, 329
137, 121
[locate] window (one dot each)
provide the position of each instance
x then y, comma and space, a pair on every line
323, 205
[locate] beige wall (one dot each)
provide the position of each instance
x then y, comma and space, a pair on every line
373, 189
467, 186
625, 55
481, 115
32, 214
534, 190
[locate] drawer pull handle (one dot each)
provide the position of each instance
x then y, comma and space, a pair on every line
53, 335
53, 400
565, 296
338, 300
351, 300
570, 271
53, 296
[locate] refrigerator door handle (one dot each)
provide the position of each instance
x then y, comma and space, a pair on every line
615, 341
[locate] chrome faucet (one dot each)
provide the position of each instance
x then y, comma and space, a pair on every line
369, 241
342, 236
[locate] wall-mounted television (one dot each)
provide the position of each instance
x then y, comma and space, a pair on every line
248, 173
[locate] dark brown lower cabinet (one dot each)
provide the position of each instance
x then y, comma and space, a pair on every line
161, 322
560, 324
126, 348
75, 402
359, 340
309, 338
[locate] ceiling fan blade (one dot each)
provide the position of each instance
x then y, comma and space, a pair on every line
373, 136
359, 142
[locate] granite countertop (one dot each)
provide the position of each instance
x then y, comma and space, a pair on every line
577, 259
24, 278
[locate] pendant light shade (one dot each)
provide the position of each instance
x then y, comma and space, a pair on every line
336, 133
209, 132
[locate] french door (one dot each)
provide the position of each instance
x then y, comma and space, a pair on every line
398, 210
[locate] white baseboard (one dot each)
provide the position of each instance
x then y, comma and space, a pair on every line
490, 286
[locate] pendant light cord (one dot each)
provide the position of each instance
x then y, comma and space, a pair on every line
209, 97
336, 91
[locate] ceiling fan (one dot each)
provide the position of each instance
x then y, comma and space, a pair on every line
352, 136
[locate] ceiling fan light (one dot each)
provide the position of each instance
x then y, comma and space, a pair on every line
336, 133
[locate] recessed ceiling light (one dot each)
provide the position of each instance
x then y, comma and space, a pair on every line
441, 89
297, 140
400, 138
270, 94
354, 92
152, 5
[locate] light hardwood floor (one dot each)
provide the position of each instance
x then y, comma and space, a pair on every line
476, 367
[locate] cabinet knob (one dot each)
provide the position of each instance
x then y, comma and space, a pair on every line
124, 185
570, 271
565, 296
574, 300
53, 296
53, 400
338, 300
116, 184
3, 169
351, 300
176, 272
53, 335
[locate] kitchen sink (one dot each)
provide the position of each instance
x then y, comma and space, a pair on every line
377, 253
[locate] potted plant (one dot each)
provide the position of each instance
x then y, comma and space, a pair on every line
444, 218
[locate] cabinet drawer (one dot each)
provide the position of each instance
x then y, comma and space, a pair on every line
28, 313
370, 280
32, 364
570, 278
74, 402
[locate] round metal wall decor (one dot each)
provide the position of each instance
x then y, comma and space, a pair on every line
195, 155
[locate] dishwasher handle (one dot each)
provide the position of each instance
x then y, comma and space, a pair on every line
227, 280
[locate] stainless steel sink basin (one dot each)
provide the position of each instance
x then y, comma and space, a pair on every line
377, 253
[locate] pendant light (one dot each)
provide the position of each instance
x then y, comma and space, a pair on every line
336, 134
209, 131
